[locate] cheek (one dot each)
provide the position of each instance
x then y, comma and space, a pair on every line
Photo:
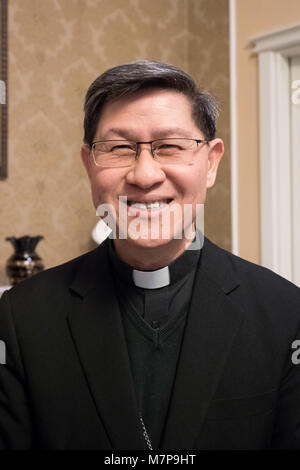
104, 185
192, 185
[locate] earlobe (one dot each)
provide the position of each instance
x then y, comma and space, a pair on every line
215, 154
86, 158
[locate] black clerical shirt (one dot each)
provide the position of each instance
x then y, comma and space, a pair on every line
154, 321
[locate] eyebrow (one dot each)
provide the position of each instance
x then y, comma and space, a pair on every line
158, 134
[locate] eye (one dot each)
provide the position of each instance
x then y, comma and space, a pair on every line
121, 148
167, 148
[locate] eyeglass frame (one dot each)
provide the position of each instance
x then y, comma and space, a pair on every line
138, 143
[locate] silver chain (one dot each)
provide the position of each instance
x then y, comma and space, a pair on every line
145, 434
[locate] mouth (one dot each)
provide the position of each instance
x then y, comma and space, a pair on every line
145, 206
148, 209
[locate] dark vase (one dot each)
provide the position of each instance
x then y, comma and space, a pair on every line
24, 262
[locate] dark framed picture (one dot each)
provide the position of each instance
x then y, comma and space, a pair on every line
3, 89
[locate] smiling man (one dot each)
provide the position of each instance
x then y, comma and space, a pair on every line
157, 339
148, 147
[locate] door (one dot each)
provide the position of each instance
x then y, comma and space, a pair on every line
295, 166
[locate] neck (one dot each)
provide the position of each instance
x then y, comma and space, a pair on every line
151, 258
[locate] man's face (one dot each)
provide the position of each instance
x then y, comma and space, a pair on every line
146, 116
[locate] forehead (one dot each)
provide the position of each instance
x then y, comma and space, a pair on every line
152, 109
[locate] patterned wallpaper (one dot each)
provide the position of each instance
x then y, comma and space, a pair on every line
56, 49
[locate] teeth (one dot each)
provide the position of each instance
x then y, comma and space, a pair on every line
150, 205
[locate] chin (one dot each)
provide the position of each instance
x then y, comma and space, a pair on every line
145, 240
149, 243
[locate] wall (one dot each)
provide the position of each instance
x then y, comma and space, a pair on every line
253, 18
208, 62
56, 49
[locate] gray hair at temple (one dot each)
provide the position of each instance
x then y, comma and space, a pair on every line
126, 79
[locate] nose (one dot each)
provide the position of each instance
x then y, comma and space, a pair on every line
146, 171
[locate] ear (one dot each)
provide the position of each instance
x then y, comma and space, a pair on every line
86, 159
215, 153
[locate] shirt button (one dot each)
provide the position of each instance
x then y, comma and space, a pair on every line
155, 324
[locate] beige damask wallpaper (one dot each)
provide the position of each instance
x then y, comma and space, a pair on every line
56, 49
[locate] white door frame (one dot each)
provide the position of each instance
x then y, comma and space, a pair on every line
274, 51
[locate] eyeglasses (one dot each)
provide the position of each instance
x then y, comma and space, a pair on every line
123, 153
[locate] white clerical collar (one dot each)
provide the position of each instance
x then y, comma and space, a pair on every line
174, 272
151, 279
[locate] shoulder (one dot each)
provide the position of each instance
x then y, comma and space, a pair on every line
253, 287
228, 264
51, 287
